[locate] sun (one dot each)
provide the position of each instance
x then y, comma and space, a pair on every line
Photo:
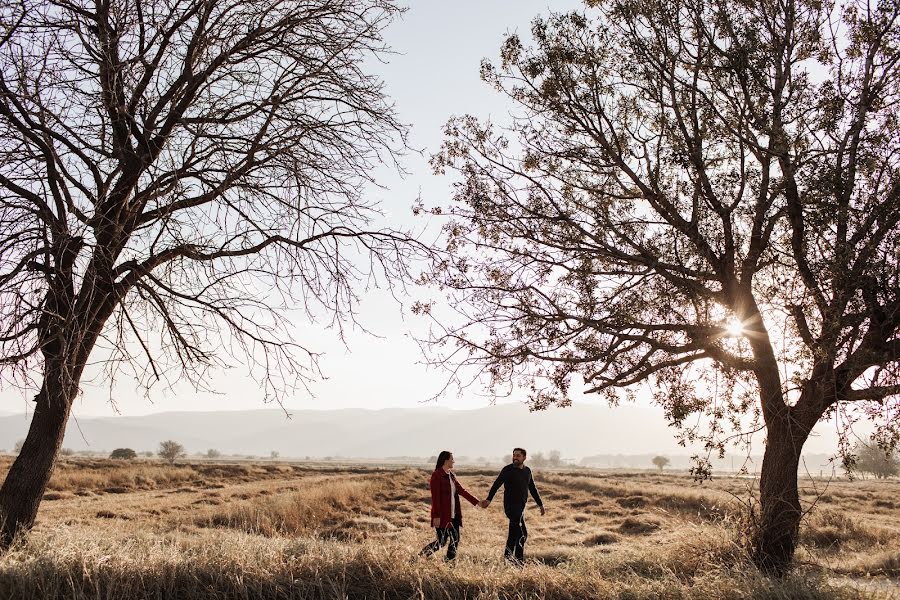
734, 327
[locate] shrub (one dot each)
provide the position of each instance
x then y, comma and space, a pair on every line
123, 454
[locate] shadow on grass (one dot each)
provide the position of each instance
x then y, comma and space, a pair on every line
546, 576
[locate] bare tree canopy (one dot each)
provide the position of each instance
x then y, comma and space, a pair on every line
170, 451
174, 175
700, 195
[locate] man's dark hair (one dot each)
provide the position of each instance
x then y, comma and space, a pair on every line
443, 457
522, 450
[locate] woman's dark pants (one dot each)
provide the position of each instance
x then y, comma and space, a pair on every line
449, 536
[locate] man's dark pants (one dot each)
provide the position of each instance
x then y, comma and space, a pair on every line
518, 535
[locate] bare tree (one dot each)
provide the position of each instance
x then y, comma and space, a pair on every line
660, 462
174, 177
170, 451
554, 459
539, 460
703, 195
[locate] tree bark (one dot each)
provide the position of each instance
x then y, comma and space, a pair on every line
30, 472
774, 537
778, 530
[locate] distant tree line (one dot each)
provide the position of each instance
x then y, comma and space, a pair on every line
553, 459
875, 460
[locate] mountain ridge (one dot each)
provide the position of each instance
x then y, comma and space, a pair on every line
578, 431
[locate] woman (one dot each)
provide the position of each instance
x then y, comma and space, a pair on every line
446, 511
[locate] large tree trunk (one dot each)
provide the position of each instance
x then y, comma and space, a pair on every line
68, 334
775, 536
778, 530
29, 474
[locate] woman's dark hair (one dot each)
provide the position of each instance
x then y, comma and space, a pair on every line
443, 457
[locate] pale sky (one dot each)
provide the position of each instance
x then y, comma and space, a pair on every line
433, 76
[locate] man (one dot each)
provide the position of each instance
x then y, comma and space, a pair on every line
517, 481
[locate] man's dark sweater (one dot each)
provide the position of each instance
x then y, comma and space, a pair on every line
516, 484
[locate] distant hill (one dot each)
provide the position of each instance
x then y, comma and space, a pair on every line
817, 465
579, 431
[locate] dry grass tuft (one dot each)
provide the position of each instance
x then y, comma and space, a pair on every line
633, 526
831, 530
632, 502
887, 563
602, 538
705, 506
321, 506
121, 477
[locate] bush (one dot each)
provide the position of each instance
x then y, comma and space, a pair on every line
123, 454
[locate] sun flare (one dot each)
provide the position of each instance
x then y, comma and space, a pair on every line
735, 328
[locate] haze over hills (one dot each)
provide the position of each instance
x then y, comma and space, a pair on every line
583, 430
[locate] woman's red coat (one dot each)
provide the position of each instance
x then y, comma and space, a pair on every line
440, 497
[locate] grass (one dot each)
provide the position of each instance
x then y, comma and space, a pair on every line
272, 531
321, 505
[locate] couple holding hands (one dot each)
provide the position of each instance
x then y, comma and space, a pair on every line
446, 510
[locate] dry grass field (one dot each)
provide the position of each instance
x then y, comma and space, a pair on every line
110, 530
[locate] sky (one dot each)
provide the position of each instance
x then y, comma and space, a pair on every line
432, 76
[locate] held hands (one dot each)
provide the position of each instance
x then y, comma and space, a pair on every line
486, 503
